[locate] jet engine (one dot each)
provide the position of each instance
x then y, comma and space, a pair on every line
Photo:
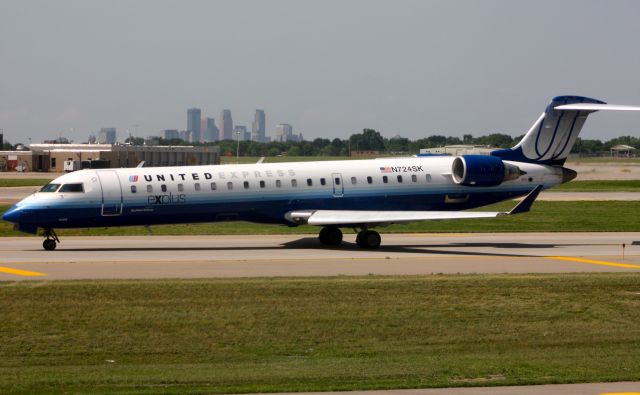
483, 171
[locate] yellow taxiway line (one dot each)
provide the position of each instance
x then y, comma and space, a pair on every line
19, 272
594, 262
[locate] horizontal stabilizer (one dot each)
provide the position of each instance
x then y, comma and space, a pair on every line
595, 107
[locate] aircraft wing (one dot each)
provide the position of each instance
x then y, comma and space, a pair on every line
361, 217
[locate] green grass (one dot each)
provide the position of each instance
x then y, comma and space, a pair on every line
23, 182
611, 216
263, 335
599, 186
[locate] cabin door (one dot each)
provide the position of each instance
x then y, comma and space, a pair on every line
338, 187
111, 193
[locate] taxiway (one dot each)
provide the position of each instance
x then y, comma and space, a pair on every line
149, 257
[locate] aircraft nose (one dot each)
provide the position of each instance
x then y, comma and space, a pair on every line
12, 215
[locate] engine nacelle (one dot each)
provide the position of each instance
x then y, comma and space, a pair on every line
482, 171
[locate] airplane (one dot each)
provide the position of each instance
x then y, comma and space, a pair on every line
357, 194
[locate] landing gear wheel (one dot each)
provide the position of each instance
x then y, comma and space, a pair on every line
330, 236
49, 244
368, 239
51, 241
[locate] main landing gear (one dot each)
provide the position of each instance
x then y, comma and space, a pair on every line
369, 239
332, 236
51, 241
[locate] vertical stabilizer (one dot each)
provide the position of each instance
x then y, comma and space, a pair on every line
550, 139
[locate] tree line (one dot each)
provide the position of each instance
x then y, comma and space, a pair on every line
372, 140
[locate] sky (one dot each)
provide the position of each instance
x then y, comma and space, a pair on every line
330, 68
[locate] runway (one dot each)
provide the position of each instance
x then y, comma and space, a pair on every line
152, 257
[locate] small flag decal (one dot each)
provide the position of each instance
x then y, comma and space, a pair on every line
133, 178
386, 170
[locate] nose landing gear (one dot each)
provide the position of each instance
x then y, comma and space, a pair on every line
51, 241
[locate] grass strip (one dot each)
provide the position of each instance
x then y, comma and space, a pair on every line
599, 186
264, 335
545, 216
23, 182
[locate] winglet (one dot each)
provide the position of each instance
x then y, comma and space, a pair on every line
526, 203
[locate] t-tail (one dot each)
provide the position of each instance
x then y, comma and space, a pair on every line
551, 138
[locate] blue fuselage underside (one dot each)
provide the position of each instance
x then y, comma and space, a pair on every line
261, 211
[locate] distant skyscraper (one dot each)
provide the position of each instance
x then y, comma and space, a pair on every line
242, 130
211, 132
226, 125
171, 134
185, 135
107, 136
193, 124
284, 132
258, 127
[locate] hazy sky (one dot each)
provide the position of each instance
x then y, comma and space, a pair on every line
329, 68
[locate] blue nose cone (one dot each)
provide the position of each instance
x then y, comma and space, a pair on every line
12, 215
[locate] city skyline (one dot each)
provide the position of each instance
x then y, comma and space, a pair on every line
413, 68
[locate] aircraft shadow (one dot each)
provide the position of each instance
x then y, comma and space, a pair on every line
311, 243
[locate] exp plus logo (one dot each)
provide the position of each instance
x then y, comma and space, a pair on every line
169, 198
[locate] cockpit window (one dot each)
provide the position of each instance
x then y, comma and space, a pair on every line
72, 188
50, 188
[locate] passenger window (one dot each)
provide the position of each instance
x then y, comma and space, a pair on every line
230, 185
278, 183
399, 178
414, 178
163, 187
149, 188
309, 182
50, 188
180, 187
72, 188
213, 186
294, 182
337, 180
428, 177
385, 179
354, 180
323, 181
261, 184
369, 180
133, 189
246, 185
196, 186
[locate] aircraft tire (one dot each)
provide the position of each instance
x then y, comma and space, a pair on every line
49, 244
368, 239
330, 236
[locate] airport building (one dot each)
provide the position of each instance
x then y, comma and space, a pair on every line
68, 157
457, 150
